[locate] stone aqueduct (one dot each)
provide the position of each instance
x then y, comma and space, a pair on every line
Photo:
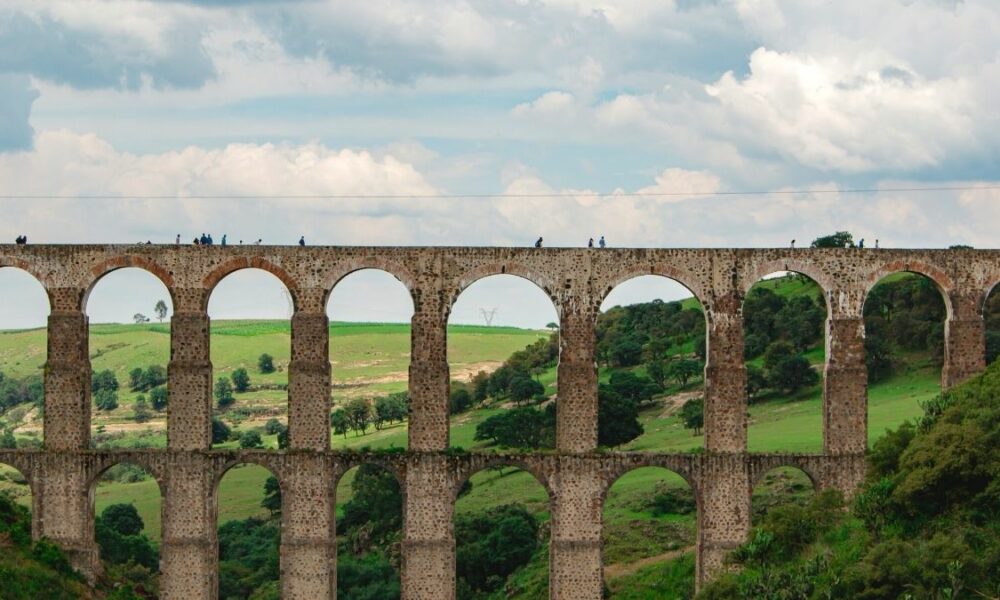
63, 475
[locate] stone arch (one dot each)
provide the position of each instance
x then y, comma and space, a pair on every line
483, 462
239, 263
377, 263
683, 277
125, 261
792, 265
937, 275
662, 462
396, 468
147, 461
29, 268
546, 284
22, 466
99, 468
760, 468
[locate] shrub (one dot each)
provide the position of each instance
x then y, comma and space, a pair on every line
251, 439
241, 380
265, 363
106, 399
273, 427
158, 398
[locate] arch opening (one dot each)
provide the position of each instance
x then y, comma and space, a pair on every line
904, 315
650, 351
128, 312
248, 517
500, 512
23, 353
370, 312
127, 508
503, 355
369, 512
784, 347
250, 311
650, 527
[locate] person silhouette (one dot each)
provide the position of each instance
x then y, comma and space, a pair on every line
223, 240
590, 243
538, 243
302, 241
602, 243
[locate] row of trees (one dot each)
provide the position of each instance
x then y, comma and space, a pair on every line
358, 414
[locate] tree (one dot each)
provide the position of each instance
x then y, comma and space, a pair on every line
153, 376
220, 431
340, 422
161, 310
787, 371
106, 399
272, 496
265, 363
617, 418
390, 408
377, 503
693, 414
223, 393
359, 414
523, 389
103, 380
141, 410
135, 379
241, 380
522, 427
123, 519
683, 370
634, 387
7, 439
657, 371
273, 426
841, 239
491, 545
755, 382
158, 398
552, 325
626, 353
140, 318
251, 439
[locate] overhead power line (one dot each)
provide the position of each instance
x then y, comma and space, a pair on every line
782, 192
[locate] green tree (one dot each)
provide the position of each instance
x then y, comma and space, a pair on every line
161, 310
657, 371
251, 440
756, 382
617, 418
490, 546
241, 380
272, 496
140, 410
223, 393
339, 422
273, 426
153, 376
459, 400
265, 363
220, 431
104, 380
123, 519
523, 389
787, 371
841, 239
693, 414
359, 414
390, 408
106, 399
522, 427
634, 387
135, 379
683, 370
158, 398
7, 439
377, 501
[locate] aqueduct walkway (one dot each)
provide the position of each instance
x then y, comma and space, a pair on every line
63, 475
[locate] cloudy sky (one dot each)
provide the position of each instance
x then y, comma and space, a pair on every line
130, 120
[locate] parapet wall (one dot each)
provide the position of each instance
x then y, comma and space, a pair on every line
62, 475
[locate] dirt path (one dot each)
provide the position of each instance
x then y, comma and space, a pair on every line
672, 404
622, 569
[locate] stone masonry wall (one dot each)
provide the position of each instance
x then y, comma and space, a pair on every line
63, 475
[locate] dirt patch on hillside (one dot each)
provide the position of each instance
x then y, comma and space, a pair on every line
622, 569
673, 404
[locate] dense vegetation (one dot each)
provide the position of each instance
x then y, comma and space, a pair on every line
925, 525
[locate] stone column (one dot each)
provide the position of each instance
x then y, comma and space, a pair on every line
188, 554
964, 339
308, 541
845, 387
428, 530
189, 375
576, 415
429, 384
723, 512
725, 379
575, 560
309, 380
65, 513
67, 382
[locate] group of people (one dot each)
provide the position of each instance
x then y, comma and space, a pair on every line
21, 240
206, 240
590, 243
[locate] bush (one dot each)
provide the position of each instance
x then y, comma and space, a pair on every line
158, 398
251, 439
106, 399
492, 545
459, 401
103, 380
673, 501
141, 412
617, 418
273, 427
220, 431
223, 393
523, 427
368, 577
265, 363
